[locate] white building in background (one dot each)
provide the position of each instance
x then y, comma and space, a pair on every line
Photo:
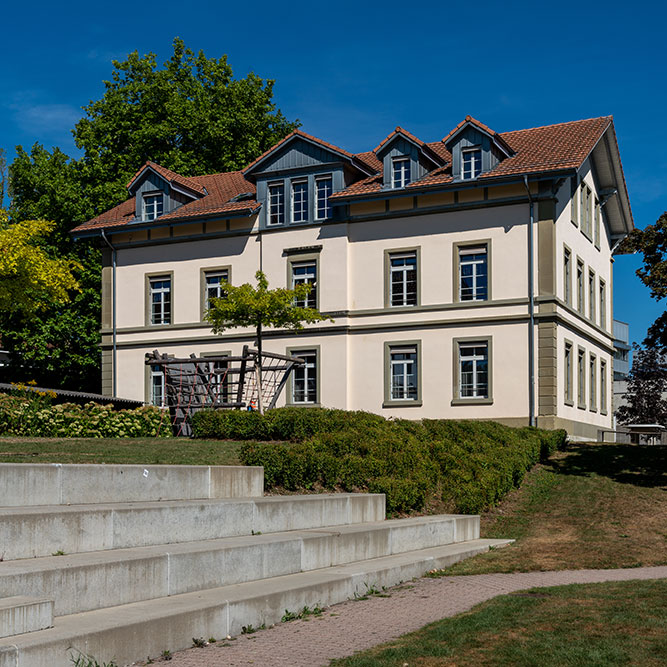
469, 277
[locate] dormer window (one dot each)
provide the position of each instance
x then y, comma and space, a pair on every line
153, 206
300, 201
276, 204
400, 172
472, 163
323, 190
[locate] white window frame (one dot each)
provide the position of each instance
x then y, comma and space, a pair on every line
223, 275
470, 155
406, 391
404, 172
304, 204
477, 386
305, 374
162, 291
276, 204
157, 377
152, 206
465, 254
325, 198
603, 304
309, 277
403, 272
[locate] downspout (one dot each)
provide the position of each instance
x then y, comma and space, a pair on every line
113, 311
531, 310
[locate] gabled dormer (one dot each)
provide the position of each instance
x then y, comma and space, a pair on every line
476, 149
158, 191
405, 159
296, 177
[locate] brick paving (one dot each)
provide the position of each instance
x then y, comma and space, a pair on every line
353, 626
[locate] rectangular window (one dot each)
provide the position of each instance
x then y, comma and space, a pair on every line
591, 296
299, 201
323, 190
305, 273
304, 378
473, 273
603, 304
471, 159
403, 373
400, 172
276, 204
160, 300
603, 387
574, 203
567, 276
581, 378
474, 370
158, 392
153, 206
403, 279
213, 281
592, 381
581, 299
568, 374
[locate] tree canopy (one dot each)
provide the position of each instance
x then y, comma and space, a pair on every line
652, 243
647, 385
190, 115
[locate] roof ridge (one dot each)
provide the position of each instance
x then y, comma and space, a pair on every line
569, 122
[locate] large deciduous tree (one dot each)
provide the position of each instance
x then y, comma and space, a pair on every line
190, 115
652, 243
647, 385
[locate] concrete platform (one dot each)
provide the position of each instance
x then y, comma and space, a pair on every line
131, 632
20, 614
83, 582
26, 484
29, 532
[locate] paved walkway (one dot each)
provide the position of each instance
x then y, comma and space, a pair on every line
354, 626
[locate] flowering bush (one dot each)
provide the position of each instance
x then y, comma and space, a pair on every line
33, 416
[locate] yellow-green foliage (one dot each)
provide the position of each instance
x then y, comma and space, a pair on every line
35, 417
30, 279
470, 465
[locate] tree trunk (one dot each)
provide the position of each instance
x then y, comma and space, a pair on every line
260, 401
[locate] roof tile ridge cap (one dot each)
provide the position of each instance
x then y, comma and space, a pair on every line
567, 122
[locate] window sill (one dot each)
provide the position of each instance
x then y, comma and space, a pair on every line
581, 407
402, 404
302, 405
604, 414
592, 409
408, 307
472, 401
570, 404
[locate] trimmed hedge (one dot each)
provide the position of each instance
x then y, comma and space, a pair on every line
20, 416
468, 465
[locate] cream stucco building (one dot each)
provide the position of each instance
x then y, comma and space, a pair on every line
467, 278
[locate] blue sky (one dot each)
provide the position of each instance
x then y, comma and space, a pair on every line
352, 71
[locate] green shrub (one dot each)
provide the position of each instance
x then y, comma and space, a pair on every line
470, 465
21, 416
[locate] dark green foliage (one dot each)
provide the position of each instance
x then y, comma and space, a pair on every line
469, 465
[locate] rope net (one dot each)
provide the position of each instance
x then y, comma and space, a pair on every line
228, 382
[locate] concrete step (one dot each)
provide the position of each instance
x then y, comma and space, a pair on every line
26, 484
42, 531
88, 581
20, 614
131, 632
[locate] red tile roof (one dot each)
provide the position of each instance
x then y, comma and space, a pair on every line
536, 150
170, 176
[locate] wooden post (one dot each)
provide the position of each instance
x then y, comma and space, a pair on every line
258, 366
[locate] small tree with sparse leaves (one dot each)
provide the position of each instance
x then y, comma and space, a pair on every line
260, 307
647, 385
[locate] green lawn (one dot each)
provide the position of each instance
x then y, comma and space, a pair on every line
173, 451
592, 625
592, 506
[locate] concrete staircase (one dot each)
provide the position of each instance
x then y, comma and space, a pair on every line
123, 562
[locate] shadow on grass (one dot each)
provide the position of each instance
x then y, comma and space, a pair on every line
644, 466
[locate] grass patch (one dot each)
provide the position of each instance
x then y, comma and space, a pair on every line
145, 451
620, 623
592, 506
